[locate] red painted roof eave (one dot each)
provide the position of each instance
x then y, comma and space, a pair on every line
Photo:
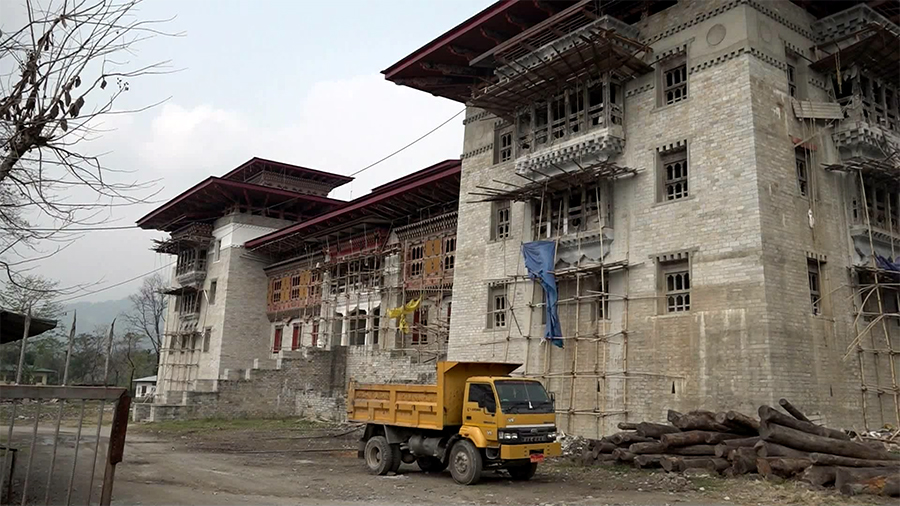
338, 178
497, 8
143, 222
372, 198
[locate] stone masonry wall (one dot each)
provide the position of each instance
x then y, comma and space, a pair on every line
749, 337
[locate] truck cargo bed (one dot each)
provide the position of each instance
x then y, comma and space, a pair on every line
420, 406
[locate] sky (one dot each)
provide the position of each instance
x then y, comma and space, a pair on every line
294, 81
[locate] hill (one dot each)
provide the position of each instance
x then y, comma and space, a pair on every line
96, 314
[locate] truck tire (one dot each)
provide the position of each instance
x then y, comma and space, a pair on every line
379, 455
431, 464
397, 458
522, 473
465, 463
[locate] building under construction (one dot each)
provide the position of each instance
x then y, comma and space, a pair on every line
719, 183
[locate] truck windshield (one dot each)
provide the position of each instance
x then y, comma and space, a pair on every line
519, 396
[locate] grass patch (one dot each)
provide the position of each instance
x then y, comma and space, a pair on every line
709, 483
222, 424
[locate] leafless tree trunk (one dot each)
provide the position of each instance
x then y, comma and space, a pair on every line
62, 70
148, 306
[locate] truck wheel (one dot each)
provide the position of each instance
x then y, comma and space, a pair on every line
431, 464
465, 463
397, 458
379, 455
522, 473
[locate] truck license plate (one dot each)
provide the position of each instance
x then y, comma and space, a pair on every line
537, 457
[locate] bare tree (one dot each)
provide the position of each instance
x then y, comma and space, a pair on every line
148, 306
32, 294
59, 73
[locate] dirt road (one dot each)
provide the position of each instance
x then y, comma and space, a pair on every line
289, 462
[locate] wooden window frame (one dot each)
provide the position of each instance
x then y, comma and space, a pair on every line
814, 277
277, 340
498, 307
802, 170
295, 336
673, 82
501, 223
504, 145
211, 293
675, 285
674, 176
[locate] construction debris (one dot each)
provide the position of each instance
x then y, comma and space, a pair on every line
776, 446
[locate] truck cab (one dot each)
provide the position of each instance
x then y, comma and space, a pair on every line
475, 417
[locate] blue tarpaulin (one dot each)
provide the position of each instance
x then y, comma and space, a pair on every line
539, 259
887, 264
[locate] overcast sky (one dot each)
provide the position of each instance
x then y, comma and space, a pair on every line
295, 81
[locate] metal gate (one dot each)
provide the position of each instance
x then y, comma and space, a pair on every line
47, 461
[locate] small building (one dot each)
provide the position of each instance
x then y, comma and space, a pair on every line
144, 387
30, 375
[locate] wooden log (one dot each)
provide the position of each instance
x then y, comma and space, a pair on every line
734, 418
606, 447
766, 449
605, 458
781, 467
655, 430
693, 450
644, 448
799, 440
698, 420
677, 464
587, 457
731, 444
628, 438
819, 476
743, 461
793, 411
826, 459
769, 415
623, 455
647, 461
627, 426
695, 437
867, 480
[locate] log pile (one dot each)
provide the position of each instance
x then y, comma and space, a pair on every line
774, 445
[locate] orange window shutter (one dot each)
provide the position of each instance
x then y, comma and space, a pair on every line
285, 289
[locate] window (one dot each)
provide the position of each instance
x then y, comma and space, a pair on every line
376, 324
500, 219
676, 286
600, 306
568, 212
447, 323
449, 253
276, 346
211, 294
276, 290
674, 85
674, 167
416, 260
295, 287
218, 254
815, 286
190, 260
207, 334
357, 328
420, 326
188, 303
483, 395
314, 335
504, 146
295, 337
801, 156
792, 80
497, 307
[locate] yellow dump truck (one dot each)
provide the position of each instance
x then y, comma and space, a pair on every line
476, 417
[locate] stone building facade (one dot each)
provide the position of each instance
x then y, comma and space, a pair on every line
701, 169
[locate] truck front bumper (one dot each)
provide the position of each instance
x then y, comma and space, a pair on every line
517, 452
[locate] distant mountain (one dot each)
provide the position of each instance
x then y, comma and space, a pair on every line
97, 314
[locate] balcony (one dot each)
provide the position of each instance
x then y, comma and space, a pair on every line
191, 271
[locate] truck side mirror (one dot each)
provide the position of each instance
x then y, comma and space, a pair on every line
553, 397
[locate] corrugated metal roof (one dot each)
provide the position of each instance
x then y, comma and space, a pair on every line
807, 109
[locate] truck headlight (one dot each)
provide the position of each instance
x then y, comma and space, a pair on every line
551, 436
508, 436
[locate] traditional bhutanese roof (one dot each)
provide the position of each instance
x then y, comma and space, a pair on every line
402, 199
255, 165
459, 61
12, 326
147, 379
213, 197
